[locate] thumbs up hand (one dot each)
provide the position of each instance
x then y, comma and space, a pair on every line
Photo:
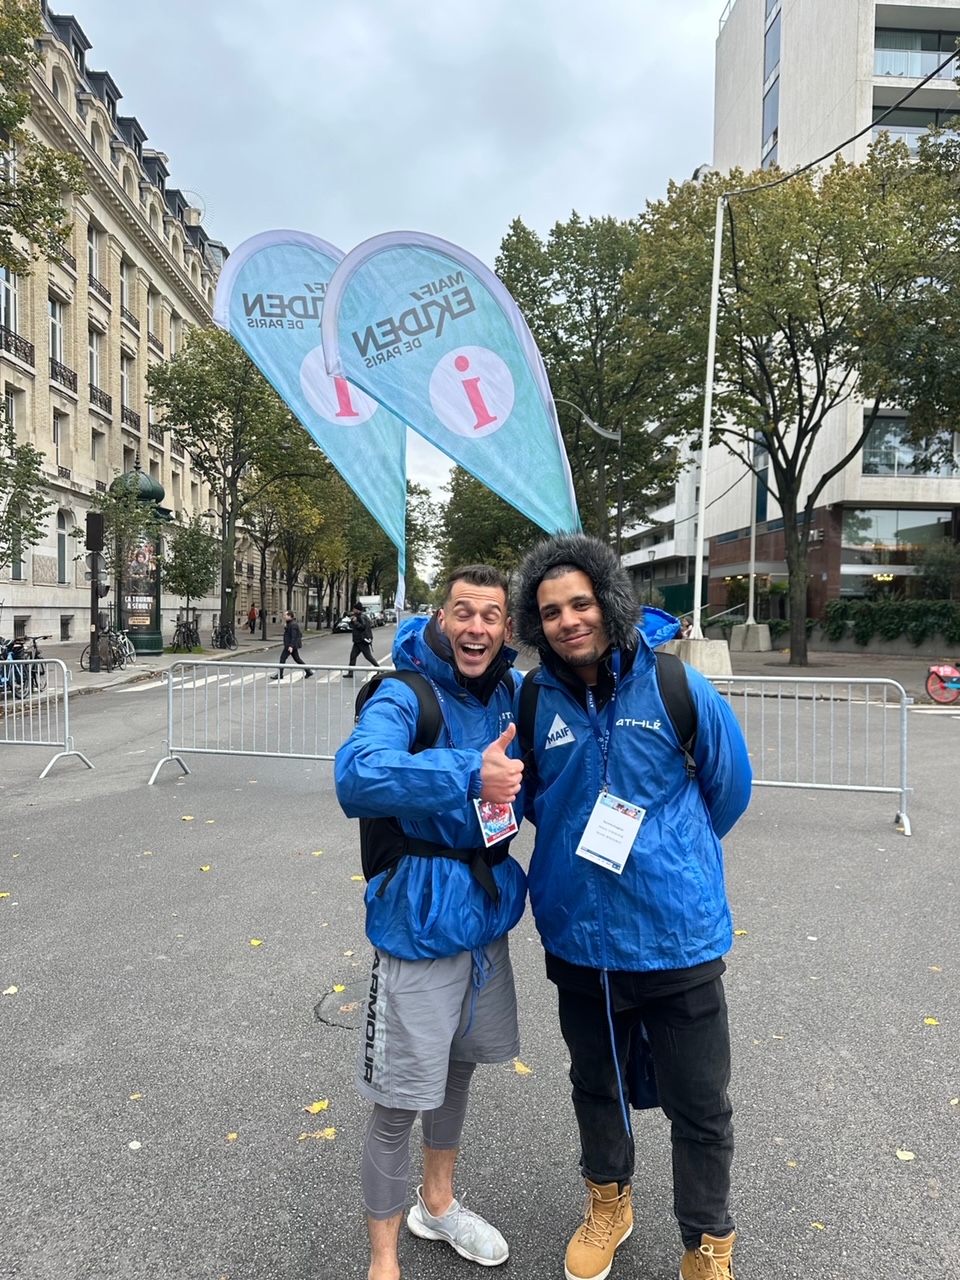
501, 776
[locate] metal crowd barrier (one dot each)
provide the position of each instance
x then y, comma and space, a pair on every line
236, 709
830, 735
35, 707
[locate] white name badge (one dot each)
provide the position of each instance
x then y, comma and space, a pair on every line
610, 832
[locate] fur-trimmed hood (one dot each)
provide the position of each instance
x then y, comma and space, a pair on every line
611, 583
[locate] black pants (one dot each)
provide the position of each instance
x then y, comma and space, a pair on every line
362, 647
690, 1042
290, 653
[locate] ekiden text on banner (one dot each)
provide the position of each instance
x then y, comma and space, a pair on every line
432, 334
270, 297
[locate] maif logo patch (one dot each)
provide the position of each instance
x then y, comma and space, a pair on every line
560, 734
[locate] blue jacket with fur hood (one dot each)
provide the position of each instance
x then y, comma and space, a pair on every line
431, 906
668, 908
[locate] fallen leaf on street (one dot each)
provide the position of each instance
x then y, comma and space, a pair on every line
339, 987
818, 1225
187, 817
135, 1097
317, 853
348, 953
791, 1164
4, 895
356, 877
931, 1022
739, 933
329, 1134
210, 821
520, 1069
905, 1155
11, 991
207, 868
232, 1137
134, 1146
955, 1102
935, 968
256, 942
314, 1107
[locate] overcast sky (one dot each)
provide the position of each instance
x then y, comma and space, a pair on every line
346, 118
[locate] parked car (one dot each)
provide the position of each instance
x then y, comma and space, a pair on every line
390, 615
343, 624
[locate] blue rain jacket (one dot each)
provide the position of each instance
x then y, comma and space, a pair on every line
431, 906
668, 909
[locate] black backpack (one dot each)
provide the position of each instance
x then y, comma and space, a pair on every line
383, 841
674, 690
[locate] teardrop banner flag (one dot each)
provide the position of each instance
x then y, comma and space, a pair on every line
429, 331
270, 297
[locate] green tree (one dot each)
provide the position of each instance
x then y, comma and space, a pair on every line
570, 289
478, 527
191, 559
823, 279
24, 499
33, 177
219, 407
938, 570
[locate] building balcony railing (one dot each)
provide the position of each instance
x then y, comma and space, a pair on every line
101, 486
60, 373
99, 289
130, 417
131, 319
63, 473
67, 258
176, 448
101, 399
155, 434
17, 346
912, 64
155, 341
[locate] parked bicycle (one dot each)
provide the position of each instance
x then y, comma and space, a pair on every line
14, 681
186, 636
120, 651
37, 672
943, 683
224, 637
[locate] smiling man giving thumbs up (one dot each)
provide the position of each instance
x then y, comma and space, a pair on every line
432, 772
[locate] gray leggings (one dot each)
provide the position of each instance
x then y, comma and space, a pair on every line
386, 1152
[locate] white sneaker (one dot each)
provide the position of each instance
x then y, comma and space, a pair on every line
466, 1232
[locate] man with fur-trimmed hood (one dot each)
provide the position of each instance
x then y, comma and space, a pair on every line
627, 889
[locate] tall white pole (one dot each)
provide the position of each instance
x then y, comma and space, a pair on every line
751, 620
697, 632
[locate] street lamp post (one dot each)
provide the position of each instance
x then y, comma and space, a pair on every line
651, 557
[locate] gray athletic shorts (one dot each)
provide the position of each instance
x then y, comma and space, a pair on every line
420, 1014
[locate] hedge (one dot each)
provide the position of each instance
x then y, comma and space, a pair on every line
918, 620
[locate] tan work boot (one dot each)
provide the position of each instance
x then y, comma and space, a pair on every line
712, 1261
606, 1224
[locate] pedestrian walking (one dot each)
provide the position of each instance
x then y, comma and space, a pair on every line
292, 643
627, 887
252, 619
361, 628
441, 996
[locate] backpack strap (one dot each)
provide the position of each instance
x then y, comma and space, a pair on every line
429, 717
675, 692
527, 712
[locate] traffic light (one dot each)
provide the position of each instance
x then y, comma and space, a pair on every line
94, 539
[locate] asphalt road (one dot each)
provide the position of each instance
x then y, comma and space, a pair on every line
146, 1030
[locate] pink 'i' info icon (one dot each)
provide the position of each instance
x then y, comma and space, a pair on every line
472, 391
333, 398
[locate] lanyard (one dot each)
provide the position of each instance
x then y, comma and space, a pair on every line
601, 734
